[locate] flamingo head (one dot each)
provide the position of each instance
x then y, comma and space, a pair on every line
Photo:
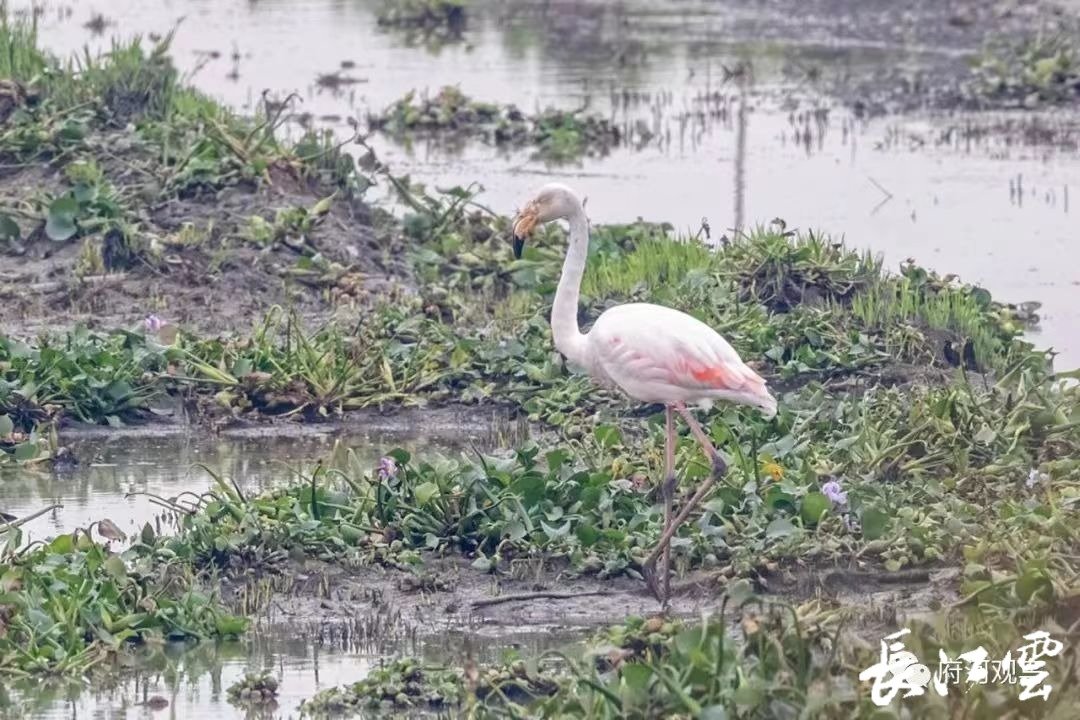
554, 201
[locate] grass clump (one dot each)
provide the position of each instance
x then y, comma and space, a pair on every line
21, 60
558, 136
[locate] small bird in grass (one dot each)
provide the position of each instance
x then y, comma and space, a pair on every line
651, 353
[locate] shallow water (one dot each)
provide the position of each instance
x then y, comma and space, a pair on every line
116, 476
995, 210
195, 680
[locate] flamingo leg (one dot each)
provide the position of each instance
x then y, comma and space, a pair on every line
663, 547
667, 489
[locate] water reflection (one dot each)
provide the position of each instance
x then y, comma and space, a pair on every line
116, 476
193, 679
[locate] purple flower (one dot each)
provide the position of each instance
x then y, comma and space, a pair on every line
153, 323
387, 468
832, 491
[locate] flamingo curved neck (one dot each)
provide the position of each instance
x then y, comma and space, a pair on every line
564, 325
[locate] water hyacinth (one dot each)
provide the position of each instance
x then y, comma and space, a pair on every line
153, 324
834, 492
387, 468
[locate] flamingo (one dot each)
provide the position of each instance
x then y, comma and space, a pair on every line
652, 354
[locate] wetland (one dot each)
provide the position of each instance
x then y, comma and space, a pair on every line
283, 432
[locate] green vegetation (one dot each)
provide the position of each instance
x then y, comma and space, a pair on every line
916, 430
403, 684
119, 133
423, 13
254, 689
559, 136
72, 604
431, 23
765, 659
1039, 70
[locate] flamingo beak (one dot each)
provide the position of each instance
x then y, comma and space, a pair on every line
523, 225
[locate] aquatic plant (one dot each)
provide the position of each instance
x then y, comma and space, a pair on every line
559, 136
428, 14
402, 684
72, 603
1037, 70
254, 689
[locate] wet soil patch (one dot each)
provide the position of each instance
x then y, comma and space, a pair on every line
540, 595
196, 265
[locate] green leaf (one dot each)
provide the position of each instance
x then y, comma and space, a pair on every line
587, 534
873, 523
516, 531
115, 567
713, 712
27, 451
739, 591
777, 498
608, 436
1034, 583
6, 426
482, 564
323, 206
636, 676
814, 505
62, 545
689, 639
779, 528
9, 229
402, 457
530, 487
424, 492
119, 389
241, 368
60, 221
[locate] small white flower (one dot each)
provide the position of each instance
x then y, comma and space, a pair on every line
1035, 477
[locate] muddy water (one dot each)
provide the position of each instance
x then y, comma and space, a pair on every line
996, 210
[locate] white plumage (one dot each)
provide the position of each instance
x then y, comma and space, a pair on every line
652, 353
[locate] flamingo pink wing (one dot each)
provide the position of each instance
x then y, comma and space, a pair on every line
652, 343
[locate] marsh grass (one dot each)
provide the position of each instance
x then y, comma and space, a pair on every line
21, 59
129, 81
630, 259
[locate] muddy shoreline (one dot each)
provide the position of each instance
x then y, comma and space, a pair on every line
447, 593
